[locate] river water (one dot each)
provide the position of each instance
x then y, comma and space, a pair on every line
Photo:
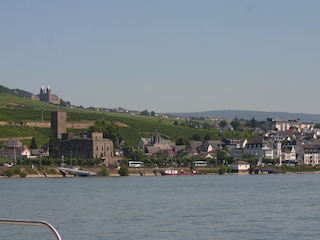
165, 207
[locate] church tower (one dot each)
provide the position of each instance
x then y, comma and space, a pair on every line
42, 94
155, 139
48, 94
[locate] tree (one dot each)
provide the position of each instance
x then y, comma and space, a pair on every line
223, 124
33, 144
109, 130
123, 171
235, 123
222, 155
196, 137
206, 125
127, 151
181, 141
113, 133
253, 123
145, 113
138, 155
207, 137
64, 103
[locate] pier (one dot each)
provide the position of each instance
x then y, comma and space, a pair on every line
76, 171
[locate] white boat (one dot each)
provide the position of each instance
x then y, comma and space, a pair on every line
174, 172
170, 171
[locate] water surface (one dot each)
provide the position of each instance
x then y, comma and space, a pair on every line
166, 207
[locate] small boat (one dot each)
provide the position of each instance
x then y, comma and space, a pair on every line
32, 223
174, 172
170, 172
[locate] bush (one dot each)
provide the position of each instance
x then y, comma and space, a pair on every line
22, 174
123, 171
208, 171
104, 171
8, 173
222, 170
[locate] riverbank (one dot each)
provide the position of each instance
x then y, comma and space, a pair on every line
53, 172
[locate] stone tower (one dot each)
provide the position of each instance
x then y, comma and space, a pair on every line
58, 125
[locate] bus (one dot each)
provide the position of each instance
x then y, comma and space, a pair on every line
200, 164
135, 164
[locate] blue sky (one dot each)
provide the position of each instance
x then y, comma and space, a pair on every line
165, 55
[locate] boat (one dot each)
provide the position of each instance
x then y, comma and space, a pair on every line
32, 223
192, 172
170, 172
175, 172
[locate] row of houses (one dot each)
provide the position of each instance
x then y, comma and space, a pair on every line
286, 145
16, 150
272, 145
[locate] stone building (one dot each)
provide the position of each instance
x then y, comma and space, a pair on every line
155, 145
46, 95
89, 145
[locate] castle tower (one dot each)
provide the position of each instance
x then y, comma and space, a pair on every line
58, 125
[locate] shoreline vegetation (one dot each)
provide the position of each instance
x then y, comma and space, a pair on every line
53, 172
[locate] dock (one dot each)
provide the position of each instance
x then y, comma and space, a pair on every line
76, 171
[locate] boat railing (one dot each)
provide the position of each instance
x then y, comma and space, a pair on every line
32, 223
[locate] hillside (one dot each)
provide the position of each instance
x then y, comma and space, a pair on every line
23, 118
247, 115
231, 114
17, 92
18, 113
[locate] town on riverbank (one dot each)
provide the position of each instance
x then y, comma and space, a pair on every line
272, 146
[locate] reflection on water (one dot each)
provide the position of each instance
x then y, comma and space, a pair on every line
166, 207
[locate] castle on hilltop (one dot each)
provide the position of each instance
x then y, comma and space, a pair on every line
45, 95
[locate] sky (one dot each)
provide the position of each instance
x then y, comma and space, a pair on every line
165, 56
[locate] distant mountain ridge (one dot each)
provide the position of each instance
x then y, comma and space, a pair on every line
241, 114
247, 115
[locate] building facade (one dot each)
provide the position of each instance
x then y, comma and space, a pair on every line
89, 145
58, 125
46, 95
310, 154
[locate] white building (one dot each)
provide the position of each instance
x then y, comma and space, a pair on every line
310, 154
240, 166
259, 148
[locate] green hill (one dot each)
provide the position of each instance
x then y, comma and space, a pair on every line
17, 111
17, 92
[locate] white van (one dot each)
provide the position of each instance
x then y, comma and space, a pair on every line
135, 164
